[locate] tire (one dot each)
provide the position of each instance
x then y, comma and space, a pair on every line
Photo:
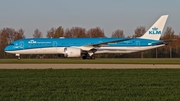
19, 58
92, 57
84, 57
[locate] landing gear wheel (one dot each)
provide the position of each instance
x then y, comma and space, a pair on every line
92, 57
84, 57
19, 58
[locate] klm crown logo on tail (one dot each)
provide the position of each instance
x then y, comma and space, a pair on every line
155, 31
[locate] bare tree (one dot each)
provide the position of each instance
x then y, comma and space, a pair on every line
51, 33
139, 31
7, 36
68, 33
3, 42
59, 32
19, 34
177, 45
95, 33
118, 34
37, 34
75, 32
10, 32
169, 35
80, 32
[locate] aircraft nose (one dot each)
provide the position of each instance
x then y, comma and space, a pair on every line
7, 48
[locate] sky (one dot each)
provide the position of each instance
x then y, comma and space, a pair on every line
109, 15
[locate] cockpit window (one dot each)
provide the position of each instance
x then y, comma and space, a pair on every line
11, 44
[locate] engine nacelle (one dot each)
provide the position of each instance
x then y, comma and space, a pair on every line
72, 52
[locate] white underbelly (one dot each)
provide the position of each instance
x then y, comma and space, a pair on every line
52, 50
124, 49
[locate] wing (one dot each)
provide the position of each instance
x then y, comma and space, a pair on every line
95, 46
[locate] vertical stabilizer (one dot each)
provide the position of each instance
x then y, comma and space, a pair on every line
155, 31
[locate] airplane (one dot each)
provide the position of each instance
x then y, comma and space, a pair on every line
88, 47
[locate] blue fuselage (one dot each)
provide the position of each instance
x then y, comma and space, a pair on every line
32, 43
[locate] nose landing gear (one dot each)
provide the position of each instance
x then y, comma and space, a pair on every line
18, 56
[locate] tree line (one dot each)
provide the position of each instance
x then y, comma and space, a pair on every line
172, 50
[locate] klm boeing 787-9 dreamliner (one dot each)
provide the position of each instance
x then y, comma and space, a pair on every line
87, 47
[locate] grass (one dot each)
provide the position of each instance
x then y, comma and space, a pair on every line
96, 61
90, 85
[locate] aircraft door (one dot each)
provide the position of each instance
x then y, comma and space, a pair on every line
54, 44
21, 45
138, 43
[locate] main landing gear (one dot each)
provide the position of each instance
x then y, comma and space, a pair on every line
88, 56
18, 56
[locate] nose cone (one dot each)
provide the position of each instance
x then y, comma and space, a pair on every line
7, 48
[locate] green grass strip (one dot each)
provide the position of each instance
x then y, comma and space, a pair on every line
90, 85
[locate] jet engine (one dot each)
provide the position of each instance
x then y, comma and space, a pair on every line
72, 52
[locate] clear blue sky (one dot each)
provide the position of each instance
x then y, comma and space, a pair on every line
110, 15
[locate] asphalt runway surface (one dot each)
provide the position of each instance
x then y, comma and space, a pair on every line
86, 66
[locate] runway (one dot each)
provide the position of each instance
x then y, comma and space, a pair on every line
86, 66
